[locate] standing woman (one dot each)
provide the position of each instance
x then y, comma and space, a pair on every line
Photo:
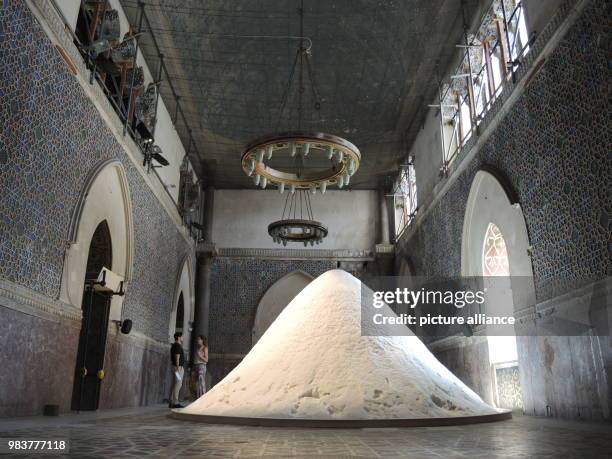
199, 362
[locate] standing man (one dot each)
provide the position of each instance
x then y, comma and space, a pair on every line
177, 358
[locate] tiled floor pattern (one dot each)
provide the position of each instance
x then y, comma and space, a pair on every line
149, 432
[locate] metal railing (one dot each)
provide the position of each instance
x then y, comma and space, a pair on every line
119, 107
465, 110
501, 58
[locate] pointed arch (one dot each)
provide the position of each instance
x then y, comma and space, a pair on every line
276, 298
185, 288
105, 196
491, 201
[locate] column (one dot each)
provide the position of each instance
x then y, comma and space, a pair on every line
384, 218
202, 308
205, 260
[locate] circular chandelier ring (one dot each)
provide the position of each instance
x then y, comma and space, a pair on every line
308, 231
347, 156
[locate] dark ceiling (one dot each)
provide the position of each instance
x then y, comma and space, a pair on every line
374, 62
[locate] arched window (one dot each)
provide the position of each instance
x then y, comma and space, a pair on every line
494, 253
503, 353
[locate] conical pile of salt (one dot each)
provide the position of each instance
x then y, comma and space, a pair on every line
313, 363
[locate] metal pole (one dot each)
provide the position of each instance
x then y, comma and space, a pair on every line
384, 218
508, 42
470, 76
441, 115
129, 109
159, 80
176, 109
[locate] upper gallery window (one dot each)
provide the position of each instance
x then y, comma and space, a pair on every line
405, 198
490, 57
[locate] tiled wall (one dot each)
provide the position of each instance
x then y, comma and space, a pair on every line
38, 359
237, 286
51, 136
554, 147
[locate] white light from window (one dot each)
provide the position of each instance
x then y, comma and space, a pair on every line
466, 121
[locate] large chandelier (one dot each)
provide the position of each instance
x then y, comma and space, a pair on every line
334, 160
300, 161
297, 223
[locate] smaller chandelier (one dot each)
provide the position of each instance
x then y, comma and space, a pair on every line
337, 160
297, 223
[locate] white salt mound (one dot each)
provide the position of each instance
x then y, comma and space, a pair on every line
313, 363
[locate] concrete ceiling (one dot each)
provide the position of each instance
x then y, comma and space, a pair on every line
374, 65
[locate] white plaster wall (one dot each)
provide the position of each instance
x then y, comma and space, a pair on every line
427, 153
70, 10
539, 12
108, 200
241, 218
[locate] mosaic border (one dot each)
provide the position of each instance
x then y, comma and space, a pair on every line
27, 301
296, 254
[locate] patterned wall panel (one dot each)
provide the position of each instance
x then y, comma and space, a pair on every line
237, 286
508, 383
555, 147
50, 138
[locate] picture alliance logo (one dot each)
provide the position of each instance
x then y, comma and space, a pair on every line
413, 298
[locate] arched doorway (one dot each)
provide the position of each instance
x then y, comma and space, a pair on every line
92, 340
275, 299
105, 196
180, 314
495, 245
100, 232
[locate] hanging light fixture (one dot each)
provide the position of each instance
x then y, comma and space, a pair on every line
343, 156
297, 223
299, 159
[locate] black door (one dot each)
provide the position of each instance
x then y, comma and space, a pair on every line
92, 345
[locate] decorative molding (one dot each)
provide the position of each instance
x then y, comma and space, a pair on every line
297, 254
55, 29
545, 43
207, 249
385, 249
27, 301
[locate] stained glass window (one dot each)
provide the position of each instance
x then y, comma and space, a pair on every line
494, 253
